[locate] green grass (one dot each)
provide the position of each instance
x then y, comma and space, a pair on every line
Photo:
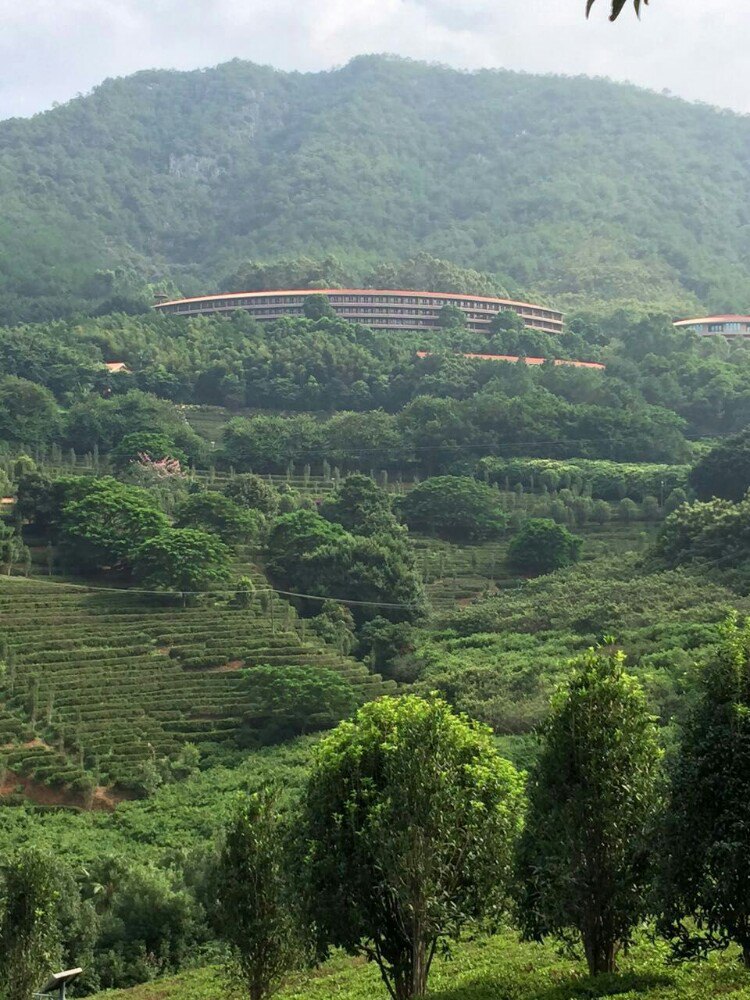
497, 968
208, 421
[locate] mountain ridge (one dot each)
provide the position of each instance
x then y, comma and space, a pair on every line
575, 189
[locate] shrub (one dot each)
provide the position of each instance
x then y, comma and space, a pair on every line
543, 546
454, 507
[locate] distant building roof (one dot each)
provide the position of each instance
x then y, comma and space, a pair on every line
728, 318
117, 368
528, 361
359, 291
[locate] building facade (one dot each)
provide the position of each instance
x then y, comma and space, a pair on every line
381, 309
718, 326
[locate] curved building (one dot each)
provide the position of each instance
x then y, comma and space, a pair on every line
379, 308
726, 325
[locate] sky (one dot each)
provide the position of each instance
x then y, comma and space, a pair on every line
51, 50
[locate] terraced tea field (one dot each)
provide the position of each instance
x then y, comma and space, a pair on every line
101, 687
455, 573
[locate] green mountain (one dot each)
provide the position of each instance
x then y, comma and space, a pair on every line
575, 189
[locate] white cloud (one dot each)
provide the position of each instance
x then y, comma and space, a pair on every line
49, 51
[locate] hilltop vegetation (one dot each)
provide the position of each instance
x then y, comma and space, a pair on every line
253, 531
181, 178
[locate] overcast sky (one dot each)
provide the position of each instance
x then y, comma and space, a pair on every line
50, 50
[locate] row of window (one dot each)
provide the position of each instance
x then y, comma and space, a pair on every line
727, 327
295, 307
374, 317
377, 299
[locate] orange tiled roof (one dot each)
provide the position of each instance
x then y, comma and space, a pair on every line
528, 361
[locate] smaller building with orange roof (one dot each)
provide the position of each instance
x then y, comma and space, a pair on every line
527, 361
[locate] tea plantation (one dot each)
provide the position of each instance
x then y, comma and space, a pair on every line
103, 687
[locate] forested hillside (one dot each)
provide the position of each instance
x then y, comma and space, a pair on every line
251, 534
572, 189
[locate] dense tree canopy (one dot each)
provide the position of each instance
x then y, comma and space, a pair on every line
253, 897
310, 555
705, 879
106, 525
183, 560
28, 415
454, 507
542, 546
593, 798
30, 934
724, 471
360, 506
409, 820
213, 511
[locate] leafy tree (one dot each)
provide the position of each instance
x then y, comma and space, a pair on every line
369, 439
335, 625
705, 865
317, 307
451, 317
384, 641
409, 819
293, 700
627, 510
601, 512
292, 539
650, 508
28, 413
12, 549
298, 272
713, 535
104, 527
434, 275
360, 506
724, 471
40, 501
378, 572
182, 559
251, 491
593, 794
30, 937
103, 422
542, 546
254, 901
269, 443
676, 498
156, 446
212, 511
150, 923
458, 508
243, 595
507, 321
310, 555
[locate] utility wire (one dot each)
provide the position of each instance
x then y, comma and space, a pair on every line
194, 593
